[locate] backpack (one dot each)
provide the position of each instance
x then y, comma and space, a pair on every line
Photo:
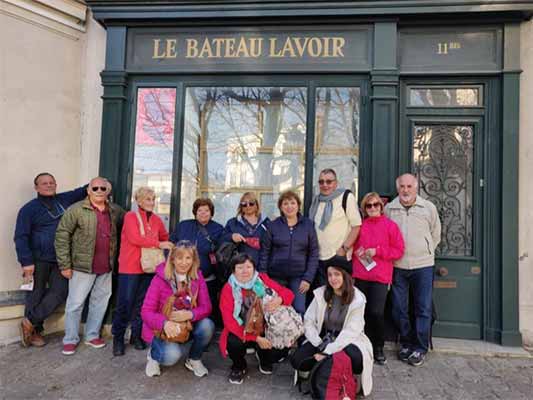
284, 327
345, 199
224, 254
330, 379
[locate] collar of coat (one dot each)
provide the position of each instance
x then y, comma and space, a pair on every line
419, 202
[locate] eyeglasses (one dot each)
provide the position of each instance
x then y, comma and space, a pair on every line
248, 203
185, 243
102, 188
368, 206
326, 181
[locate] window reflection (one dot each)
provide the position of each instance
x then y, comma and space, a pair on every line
239, 139
337, 125
443, 97
154, 143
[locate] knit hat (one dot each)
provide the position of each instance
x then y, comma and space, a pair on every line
340, 262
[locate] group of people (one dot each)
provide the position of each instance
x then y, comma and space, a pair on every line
335, 268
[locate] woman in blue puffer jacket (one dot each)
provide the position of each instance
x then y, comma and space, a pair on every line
249, 227
290, 249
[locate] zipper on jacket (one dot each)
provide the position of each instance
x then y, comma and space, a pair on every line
291, 231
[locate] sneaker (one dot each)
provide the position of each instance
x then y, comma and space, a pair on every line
416, 359
69, 349
263, 368
236, 376
196, 366
404, 354
96, 343
250, 350
152, 366
379, 356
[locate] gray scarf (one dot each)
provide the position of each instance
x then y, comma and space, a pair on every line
328, 209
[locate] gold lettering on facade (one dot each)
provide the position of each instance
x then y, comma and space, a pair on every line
192, 48
253, 47
338, 44
169, 50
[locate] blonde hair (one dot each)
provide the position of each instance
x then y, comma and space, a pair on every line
170, 267
367, 198
142, 193
251, 197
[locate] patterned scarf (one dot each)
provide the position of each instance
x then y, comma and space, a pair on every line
255, 284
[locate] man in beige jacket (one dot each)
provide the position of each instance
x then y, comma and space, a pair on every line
419, 222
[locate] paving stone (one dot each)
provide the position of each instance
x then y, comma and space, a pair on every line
97, 375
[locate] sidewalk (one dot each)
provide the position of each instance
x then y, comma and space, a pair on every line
95, 374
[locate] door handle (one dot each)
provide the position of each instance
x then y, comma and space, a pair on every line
442, 271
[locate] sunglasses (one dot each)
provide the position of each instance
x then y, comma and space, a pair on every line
326, 181
101, 188
185, 243
368, 206
248, 203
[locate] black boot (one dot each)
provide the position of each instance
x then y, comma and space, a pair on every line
138, 343
118, 346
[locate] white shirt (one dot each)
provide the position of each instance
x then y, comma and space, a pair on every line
332, 237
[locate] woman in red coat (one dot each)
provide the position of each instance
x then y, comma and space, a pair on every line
132, 281
379, 243
237, 295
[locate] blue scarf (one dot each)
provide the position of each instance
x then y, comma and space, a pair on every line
328, 208
255, 284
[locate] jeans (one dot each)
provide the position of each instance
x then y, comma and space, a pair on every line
299, 299
79, 287
420, 281
50, 290
131, 291
167, 353
237, 353
376, 296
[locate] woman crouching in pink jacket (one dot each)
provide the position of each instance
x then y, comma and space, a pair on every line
179, 276
379, 243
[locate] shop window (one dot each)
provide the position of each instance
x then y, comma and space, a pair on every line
445, 96
443, 162
242, 139
154, 145
337, 124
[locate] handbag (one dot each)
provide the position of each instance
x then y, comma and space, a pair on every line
283, 327
185, 327
255, 318
150, 257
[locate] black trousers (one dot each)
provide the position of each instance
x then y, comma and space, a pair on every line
213, 287
376, 296
302, 359
50, 290
237, 352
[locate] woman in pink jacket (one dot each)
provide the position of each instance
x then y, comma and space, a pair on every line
379, 243
180, 276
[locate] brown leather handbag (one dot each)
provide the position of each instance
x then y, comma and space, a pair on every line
185, 327
255, 318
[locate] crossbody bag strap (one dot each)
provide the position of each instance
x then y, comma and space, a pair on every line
141, 226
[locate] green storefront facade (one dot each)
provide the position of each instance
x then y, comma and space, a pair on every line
216, 98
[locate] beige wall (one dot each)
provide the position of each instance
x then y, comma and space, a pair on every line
50, 111
526, 186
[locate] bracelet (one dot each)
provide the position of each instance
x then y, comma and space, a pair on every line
345, 248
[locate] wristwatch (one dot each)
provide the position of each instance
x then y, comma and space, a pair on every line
345, 248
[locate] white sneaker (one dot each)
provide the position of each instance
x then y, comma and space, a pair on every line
152, 366
197, 367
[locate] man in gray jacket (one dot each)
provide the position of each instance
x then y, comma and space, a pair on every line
419, 222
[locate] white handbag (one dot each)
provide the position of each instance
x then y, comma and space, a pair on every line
150, 257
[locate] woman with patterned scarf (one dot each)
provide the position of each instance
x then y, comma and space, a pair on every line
238, 294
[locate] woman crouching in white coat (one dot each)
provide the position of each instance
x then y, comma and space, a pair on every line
335, 322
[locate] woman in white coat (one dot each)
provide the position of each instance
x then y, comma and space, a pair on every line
335, 322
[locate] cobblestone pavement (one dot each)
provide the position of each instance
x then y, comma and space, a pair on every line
95, 374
